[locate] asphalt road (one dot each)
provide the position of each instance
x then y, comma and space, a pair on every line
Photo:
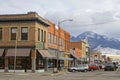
95, 75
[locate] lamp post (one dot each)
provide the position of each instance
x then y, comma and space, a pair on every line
59, 22
15, 51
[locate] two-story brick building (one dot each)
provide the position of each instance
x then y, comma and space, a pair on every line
23, 42
58, 46
82, 52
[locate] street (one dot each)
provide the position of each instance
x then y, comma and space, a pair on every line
94, 75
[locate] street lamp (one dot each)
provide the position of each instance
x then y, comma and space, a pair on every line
15, 51
59, 22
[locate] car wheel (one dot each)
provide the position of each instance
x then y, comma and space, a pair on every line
105, 69
85, 70
73, 70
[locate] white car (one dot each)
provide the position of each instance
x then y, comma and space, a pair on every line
81, 67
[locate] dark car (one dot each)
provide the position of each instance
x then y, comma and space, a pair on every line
109, 66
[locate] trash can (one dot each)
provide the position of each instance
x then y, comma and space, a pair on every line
55, 70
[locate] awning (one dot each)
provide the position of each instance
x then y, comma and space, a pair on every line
45, 53
21, 52
1, 52
75, 56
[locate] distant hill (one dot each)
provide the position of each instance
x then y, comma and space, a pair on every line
99, 42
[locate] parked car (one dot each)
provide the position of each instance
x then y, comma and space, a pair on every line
101, 66
81, 68
109, 66
93, 67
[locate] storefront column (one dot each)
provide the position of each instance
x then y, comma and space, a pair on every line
33, 57
46, 64
6, 64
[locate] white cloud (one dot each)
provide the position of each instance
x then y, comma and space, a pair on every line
85, 13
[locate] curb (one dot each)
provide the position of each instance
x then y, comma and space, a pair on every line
59, 73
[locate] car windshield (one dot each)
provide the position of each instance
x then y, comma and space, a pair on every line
80, 65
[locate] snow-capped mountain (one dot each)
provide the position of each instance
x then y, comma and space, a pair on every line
108, 50
100, 42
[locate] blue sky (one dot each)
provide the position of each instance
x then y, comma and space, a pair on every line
100, 16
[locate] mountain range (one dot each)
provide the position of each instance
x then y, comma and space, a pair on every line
99, 42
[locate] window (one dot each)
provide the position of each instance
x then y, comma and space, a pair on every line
44, 36
1, 63
48, 37
41, 35
0, 33
38, 34
55, 39
62, 42
52, 39
24, 33
13, 33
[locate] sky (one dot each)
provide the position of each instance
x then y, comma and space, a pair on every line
100, 16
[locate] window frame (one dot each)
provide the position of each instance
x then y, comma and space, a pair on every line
1, 35
13, 34
23, 38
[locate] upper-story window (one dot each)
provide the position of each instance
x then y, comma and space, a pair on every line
62, 42
0, 33
13, 33
41, 35
38, 34
52, 40
55, 39
24, 33
49, 38
44, 36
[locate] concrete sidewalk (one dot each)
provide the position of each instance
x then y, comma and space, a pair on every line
28, 73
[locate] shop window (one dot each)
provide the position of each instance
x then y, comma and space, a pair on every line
50, 63
1, 63
40, 63
11, 63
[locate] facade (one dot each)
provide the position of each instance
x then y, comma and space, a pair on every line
58, 46
88, 50
23, 42
76, 54
82, 46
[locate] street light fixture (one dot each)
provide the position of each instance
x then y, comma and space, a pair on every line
15, 51
59, 22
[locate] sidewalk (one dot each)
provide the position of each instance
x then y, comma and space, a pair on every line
53, 74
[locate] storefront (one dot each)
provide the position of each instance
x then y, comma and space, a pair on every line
44, 60
20, 61
1, 60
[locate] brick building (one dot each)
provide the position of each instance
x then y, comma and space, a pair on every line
58, 46
23, 39
82, 46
